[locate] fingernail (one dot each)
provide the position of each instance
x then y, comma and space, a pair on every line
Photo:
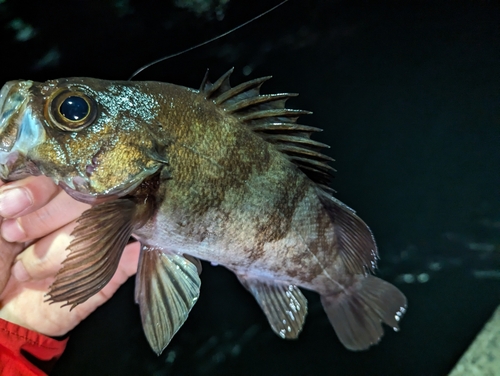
19, 272
14, 201
12, 231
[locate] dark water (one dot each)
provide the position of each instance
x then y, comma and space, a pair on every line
409, 96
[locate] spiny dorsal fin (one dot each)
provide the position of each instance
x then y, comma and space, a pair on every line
266, 115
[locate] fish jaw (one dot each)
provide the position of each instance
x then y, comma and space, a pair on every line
20, 131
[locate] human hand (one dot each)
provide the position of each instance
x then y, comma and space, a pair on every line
35, 232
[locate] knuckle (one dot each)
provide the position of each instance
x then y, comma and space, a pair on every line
36, 224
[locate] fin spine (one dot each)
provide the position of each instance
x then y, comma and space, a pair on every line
266, 115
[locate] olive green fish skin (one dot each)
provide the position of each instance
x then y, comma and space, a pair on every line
256, 220
107, 157
207, 186
233, 199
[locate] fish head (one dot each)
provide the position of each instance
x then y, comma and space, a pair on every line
92, 137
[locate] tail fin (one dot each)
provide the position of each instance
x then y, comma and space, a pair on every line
357, 313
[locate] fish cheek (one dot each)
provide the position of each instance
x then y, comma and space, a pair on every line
118, 166
51, 158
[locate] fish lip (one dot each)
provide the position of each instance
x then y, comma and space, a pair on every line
19, 131
4, 94
12, 96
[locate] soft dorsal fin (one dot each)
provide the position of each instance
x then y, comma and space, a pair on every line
267, 116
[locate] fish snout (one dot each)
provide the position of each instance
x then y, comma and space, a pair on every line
19, 131
13, 97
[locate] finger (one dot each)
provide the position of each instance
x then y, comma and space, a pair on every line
52, 319
26, 195
7, 256
61, 210
44, 258
8, 252
126, 268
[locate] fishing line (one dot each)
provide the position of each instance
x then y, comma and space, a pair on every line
206, 42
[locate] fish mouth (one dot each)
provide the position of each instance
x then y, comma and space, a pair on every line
13, 96
19, 131
8, 102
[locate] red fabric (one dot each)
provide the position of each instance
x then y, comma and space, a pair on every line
21, 349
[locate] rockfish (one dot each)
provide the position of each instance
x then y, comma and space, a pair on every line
223, 174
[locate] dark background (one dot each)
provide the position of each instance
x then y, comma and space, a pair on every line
408, 93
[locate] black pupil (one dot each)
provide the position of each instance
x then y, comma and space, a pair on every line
74, 108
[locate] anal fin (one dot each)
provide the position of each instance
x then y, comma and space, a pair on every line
283, 304
167, 287
358, 313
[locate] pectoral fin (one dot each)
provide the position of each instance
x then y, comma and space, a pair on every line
99, 239
166, 289
283, 304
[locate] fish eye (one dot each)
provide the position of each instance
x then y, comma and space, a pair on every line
71, 110
74, 108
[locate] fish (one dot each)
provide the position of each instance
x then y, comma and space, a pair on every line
224, 174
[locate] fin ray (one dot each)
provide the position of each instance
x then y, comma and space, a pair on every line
357, 314
269, 100
305, 152
283, 304
298, 140
221, 84
167, 287
267, 116
354, 238
244, 90
99, 239
283, 127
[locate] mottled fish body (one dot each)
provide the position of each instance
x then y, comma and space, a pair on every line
223, 174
